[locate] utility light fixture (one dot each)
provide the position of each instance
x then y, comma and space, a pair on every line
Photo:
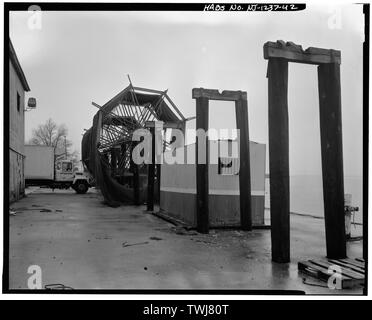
31, 104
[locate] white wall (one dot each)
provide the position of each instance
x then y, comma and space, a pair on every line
182, 177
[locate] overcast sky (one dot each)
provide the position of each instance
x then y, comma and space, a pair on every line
80, 57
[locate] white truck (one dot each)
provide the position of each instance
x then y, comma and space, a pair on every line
43, 168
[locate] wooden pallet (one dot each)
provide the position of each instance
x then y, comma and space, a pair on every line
352, 270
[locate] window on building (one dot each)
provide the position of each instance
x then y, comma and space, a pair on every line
18, 102
67, 167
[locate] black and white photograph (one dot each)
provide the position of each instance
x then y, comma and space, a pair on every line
186, 148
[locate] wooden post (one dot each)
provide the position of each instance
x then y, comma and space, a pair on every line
202, 180
332, 162
113, 161
151, 173
241, 112
279, 159
136, 182
94, 158
158, 177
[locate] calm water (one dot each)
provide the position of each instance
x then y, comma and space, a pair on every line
306, 194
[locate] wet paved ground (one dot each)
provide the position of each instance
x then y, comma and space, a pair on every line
79, 242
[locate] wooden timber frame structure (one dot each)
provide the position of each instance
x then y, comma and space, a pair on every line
278, 55
107, 146
202, 97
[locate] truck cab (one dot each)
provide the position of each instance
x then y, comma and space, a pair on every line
44, 168
66, 177
64, 172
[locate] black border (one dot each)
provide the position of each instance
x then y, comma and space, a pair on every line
60, 6
366, 11
6, 226
151, 6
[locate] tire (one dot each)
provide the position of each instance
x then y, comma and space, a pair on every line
81, 187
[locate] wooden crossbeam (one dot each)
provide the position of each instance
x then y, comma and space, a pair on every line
294, 53
166, 125
148, 90
214, 94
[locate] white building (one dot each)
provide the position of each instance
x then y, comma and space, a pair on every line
178, 186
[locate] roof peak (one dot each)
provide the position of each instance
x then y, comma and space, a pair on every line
14, 59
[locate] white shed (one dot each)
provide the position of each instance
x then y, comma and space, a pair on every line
178, 186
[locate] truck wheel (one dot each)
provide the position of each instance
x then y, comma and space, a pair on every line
81, 187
